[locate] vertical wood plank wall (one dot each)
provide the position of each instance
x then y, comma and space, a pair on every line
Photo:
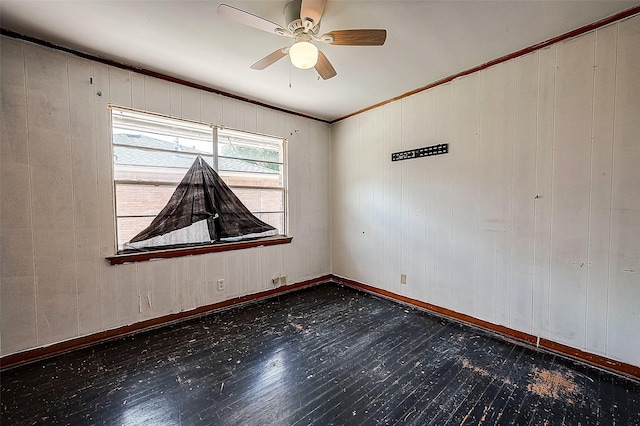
56, 210
532, 221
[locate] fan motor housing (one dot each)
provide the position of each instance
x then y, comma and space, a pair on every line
292, 18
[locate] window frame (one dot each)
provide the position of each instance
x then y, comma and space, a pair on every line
284, 165
121, 256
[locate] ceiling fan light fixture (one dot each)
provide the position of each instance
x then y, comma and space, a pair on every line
304, 55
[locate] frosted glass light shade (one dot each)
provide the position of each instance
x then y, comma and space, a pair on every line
304, 55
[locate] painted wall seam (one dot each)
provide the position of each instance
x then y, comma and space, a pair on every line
590, 202
73, 201
535, 205
613, 158
33, 242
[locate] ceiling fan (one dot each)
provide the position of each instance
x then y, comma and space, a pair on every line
303, 25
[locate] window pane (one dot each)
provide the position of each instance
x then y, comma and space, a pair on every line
269, 154
146, 157
167, 127
261, 200
274, 219
251, 179
129, 227
138, 200
250, 146
248, 166
148, 174
249, 162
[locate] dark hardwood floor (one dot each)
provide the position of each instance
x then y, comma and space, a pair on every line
324, 355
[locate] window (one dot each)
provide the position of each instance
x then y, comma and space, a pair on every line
254, 168
152, 154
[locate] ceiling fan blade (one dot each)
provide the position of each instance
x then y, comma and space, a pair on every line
355, 37
312, 10
270, 59
324, 67
250, 19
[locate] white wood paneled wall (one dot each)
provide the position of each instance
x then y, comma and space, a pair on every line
532, 220
56, 210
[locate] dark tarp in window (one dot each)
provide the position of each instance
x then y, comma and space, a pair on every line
202, 209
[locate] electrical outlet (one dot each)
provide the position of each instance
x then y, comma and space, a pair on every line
220, 285
283, 280
275, 280
403, 279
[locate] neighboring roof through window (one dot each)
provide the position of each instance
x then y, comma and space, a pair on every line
160, 153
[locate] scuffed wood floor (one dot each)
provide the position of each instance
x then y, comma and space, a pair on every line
325, 355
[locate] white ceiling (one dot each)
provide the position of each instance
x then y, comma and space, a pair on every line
426, 41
